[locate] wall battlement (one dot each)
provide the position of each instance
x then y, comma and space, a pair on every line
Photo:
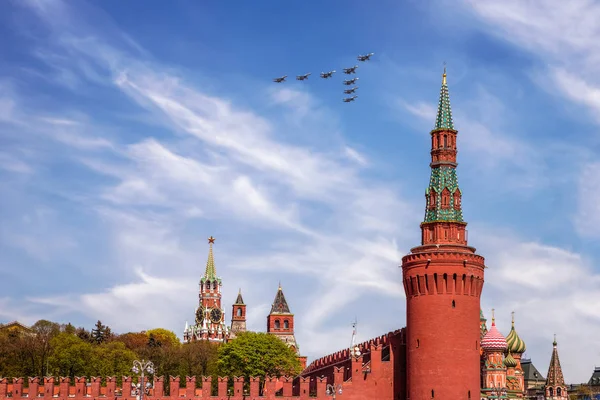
344, 355
359, 378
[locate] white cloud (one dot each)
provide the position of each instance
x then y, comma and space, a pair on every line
551, 290
565, 36
300, 212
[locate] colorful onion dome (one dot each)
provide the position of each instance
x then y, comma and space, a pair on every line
493, 340
515, 343
509, 361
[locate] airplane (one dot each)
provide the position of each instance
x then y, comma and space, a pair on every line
351, 90
349, 82
279, 80
302, 77
326, 75
349, 99
365, 57
351, 70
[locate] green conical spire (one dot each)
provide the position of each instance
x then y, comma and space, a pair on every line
444, 114
211, 271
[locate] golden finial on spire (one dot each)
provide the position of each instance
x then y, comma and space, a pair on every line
554, 343
444, 75
513, 318
279, 285
211, 240
493, 316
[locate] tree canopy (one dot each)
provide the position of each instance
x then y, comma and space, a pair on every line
51, 349
253, 354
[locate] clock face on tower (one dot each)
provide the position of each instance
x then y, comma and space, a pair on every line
200, 315
215, 315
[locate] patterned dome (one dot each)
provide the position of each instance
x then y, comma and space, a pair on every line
509, 361
493, 340
515, 343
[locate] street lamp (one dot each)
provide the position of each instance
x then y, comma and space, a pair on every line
141, 367
331, 390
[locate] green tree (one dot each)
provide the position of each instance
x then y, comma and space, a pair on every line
71, 356
162, 337
40, 344
99, 333
257, 354
111, 359
198, 359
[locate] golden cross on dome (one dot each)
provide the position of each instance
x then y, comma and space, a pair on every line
211, 240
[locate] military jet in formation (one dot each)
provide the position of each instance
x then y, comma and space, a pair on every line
303, 77
365, 57
327, 75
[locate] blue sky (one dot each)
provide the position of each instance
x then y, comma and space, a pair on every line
132, 131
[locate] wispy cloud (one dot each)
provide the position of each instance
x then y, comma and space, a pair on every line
551, 289
564, 36
288, 196
227, 163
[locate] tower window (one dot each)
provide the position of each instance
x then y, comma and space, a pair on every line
239, 312
277, 324
445, 145
214, 284
432, 392
469, 394
286, 324
453, 304
418, 343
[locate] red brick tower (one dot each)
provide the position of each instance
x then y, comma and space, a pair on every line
209, 316
443, 279
280, 322
555, 387
238, 315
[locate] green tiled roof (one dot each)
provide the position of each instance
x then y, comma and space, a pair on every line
444, 114
443, 177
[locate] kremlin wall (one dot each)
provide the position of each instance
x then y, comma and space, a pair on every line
443, 280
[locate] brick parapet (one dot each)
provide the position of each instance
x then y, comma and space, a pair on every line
343, 356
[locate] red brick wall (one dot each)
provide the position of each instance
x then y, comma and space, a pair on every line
363, 378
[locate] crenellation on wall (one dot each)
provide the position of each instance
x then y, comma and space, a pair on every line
362, 368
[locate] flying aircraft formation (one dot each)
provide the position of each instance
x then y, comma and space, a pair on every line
327, 75
303, 77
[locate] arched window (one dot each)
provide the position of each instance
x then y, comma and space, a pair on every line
453, 304
286, 324
558, 391
445, 145
445, 198
432, 392
239, 312
457, 199
550, 392
469, 394
277, 324
432, 199
215, 285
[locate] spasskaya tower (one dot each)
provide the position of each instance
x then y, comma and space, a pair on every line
443, 279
